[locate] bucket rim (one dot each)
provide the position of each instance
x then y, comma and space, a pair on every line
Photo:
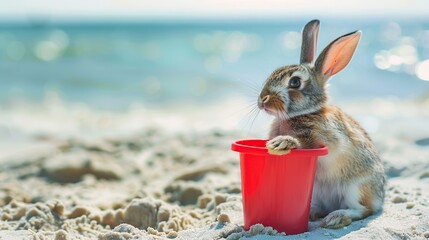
257, 147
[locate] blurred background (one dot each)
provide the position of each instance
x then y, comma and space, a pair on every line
61, 61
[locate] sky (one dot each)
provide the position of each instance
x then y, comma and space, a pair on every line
76, 10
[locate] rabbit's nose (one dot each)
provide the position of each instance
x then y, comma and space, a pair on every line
262, 101
265, 99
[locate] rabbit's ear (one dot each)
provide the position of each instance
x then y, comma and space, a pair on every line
309, 42
337, 54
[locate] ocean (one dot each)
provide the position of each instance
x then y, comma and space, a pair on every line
115, 65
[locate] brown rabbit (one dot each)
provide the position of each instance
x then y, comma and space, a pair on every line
350, 181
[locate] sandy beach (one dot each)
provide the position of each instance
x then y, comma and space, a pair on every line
77, 173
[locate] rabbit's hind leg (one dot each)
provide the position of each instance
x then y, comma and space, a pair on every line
358, 204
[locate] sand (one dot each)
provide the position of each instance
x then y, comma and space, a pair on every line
70, 172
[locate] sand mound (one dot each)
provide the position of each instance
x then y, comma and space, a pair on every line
97, 186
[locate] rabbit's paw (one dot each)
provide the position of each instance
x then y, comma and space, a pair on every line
282, 145
336, 219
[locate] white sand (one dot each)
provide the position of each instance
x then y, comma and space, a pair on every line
68, 172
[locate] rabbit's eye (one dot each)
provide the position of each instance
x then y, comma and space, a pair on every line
295, 82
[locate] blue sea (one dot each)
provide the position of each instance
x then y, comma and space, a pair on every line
113, 65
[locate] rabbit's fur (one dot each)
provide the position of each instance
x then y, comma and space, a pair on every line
350, 181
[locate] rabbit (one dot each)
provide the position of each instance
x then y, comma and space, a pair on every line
350, 181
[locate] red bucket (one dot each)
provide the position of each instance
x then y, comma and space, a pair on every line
277, 189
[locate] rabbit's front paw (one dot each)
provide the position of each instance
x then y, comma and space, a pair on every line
282, 145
